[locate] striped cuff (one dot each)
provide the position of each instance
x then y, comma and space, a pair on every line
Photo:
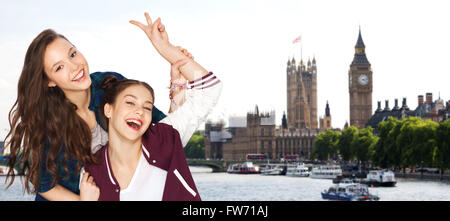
204, 82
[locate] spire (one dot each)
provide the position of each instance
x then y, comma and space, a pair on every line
327, 110
360, 42
284, 121
360, 54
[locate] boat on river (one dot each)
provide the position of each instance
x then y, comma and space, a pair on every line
384, 178
326, 172
273, 169
349, 192
297, 170
243, 168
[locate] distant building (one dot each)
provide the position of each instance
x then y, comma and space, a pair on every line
436, 111
256, 134
325, 122
301, 94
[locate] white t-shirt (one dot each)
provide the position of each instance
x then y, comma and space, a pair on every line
147, 183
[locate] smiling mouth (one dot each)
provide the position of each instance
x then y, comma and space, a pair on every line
80, 76
134, 124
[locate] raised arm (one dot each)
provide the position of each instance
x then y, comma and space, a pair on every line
158, 36
203, 87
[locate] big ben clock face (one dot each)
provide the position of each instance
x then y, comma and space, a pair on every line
363, 79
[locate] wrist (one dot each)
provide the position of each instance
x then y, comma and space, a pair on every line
164, 48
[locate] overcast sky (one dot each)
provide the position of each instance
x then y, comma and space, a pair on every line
246, 44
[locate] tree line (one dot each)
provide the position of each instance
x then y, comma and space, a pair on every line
399, 144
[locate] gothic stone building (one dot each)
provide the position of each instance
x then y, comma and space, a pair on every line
257, 133
302, 94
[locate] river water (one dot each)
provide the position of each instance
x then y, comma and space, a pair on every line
255, 187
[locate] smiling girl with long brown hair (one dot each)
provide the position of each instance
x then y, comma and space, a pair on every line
55, 120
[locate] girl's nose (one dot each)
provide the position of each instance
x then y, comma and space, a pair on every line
139, 110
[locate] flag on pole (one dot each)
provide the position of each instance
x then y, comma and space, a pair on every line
296, 40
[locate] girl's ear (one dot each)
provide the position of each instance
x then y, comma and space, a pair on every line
51, 84
107, 110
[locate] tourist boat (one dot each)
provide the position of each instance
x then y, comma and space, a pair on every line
273, 169
297, 170
380, 178
243, 168
349, 192
326, 172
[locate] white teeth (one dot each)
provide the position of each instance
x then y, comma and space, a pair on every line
79, 75
134, 121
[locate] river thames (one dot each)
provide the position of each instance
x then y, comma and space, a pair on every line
255, 187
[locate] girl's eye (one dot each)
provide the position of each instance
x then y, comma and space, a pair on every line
129, 103
59, 68
147, 108
73, 54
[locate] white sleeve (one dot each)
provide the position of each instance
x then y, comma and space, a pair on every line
201, 97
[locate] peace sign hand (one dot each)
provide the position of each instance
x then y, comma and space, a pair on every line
155, 31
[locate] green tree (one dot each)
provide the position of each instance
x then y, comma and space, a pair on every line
345, 141
404, 141
325, 145
385, 150
363, 145
441, 155
424, 143
195, 148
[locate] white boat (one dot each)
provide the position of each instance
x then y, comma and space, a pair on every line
298, 170
326, 172
243, 168
273, 169
380, 178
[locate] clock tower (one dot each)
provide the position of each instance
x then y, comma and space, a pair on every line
360, 86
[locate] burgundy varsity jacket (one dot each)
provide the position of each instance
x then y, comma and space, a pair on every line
162, 149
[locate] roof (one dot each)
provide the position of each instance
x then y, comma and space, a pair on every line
360, 42
360, 59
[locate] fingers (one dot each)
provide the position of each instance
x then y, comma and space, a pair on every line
161, 28
156, 24
178, 64
185, 52
85, 177
90, 179
140, 25
147, 17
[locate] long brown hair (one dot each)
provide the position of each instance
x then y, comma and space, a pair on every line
112, 88
43, 114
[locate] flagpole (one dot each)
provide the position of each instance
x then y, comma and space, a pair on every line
301, 51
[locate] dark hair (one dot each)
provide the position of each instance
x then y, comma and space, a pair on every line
112, 88
43, 114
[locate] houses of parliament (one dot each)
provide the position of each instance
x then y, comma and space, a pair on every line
256, 133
